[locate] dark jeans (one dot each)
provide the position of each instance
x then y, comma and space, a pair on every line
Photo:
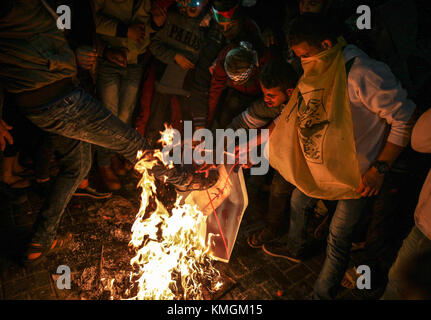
401, 283
28, 139
78, 120
279, 197
346, 216
118, 89
391, 219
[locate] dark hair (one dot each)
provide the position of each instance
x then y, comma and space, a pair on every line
225, 5
312, 28
278, 73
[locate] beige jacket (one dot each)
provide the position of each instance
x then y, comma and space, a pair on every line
113, 18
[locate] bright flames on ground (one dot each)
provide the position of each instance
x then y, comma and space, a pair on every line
172, 260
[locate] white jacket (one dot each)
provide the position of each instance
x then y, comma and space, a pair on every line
421, 142
380, 108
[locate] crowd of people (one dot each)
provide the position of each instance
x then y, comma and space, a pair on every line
345, 110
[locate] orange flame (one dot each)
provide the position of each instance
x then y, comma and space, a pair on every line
172, 260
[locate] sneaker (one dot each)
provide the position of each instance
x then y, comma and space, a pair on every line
262, 236
198, 181
91, 193
279, 250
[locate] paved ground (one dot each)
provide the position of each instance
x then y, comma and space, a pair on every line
101, 231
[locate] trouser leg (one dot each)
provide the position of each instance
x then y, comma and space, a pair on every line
301, 208
74, 158
415, 246
279, 197
343, 223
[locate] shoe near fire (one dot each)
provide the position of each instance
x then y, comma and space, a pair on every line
265, 235
199, 181
91, 193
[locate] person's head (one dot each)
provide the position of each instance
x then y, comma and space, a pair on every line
278, 80
192, 8
241, 63
310, 34
226, 13
312, 6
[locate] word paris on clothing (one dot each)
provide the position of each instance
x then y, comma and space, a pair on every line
200, 147
64, 20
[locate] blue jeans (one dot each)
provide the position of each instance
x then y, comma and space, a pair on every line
117, 88
77, 119
341, 229
414, 247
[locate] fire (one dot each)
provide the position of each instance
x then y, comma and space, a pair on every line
172, 260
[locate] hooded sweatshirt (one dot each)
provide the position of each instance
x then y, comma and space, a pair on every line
380, 108
421, 142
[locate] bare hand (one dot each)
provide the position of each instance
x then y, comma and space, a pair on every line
86, 57
183, 62
117, 56
136, 32
371, 183
159, 15
5, 136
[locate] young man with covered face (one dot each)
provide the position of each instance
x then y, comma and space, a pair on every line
277, 81
377, 104
39, 70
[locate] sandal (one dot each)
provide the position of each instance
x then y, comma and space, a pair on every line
259, 238
37, 252
19, 183
26, 173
